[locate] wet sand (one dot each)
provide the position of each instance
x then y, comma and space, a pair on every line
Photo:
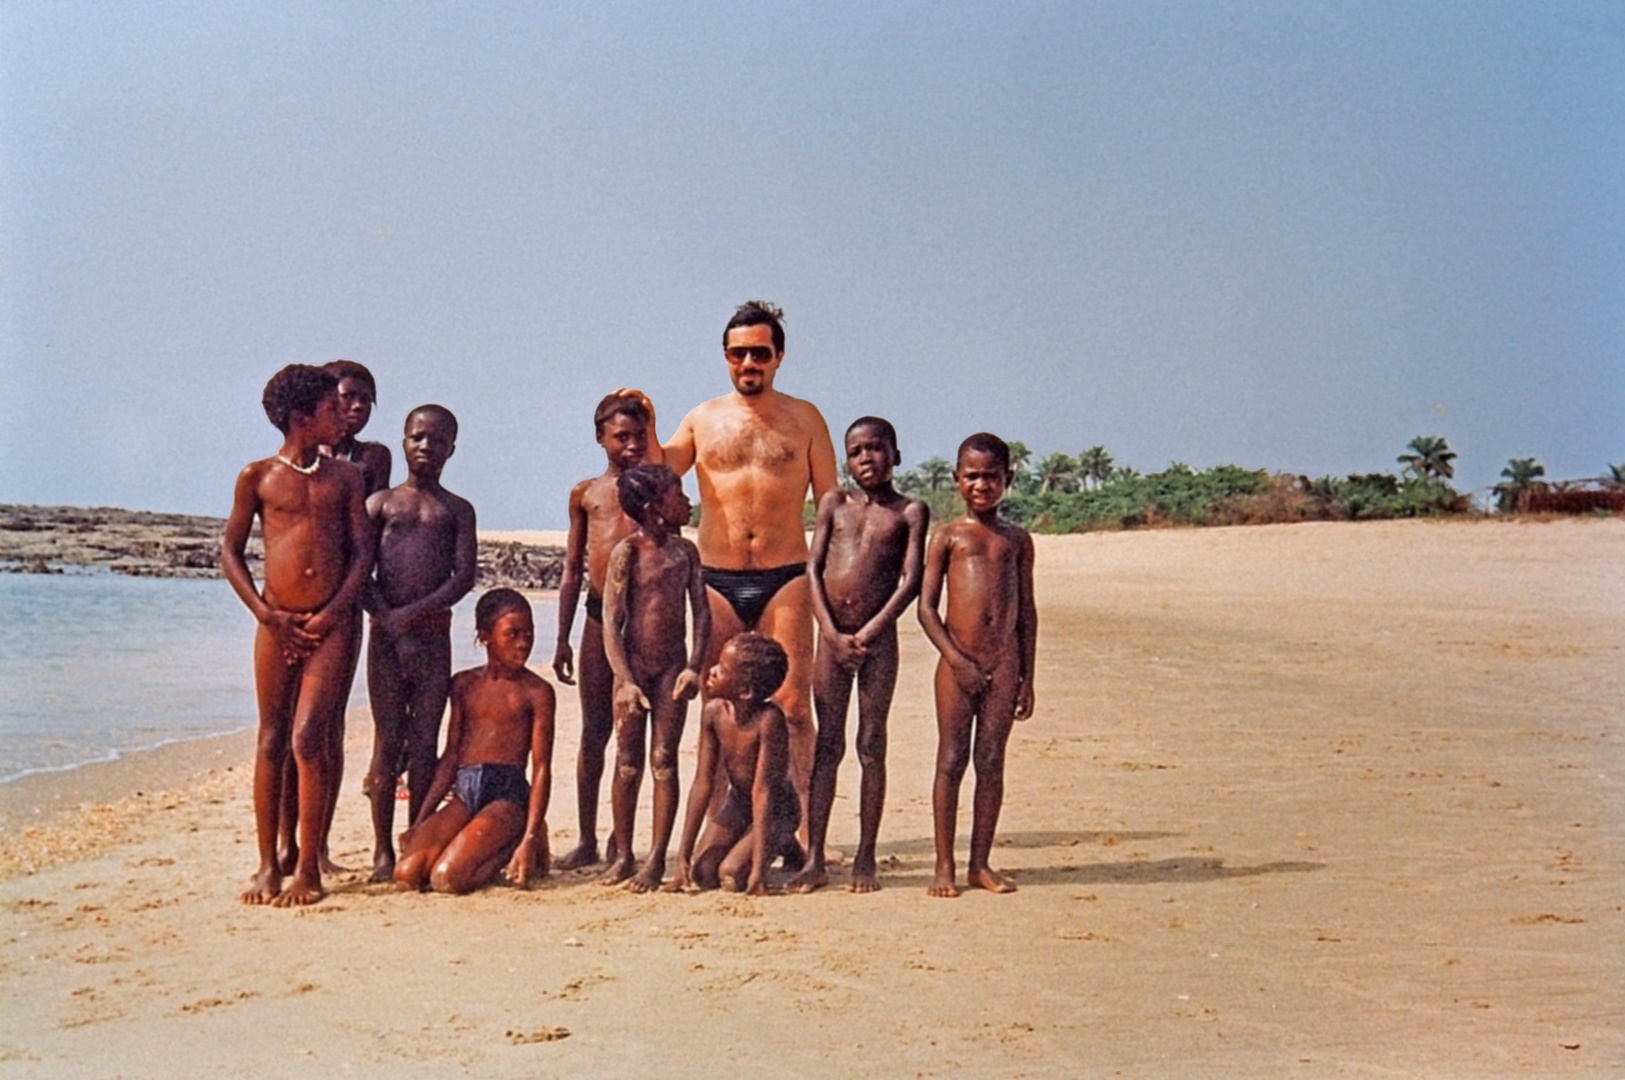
1305, 800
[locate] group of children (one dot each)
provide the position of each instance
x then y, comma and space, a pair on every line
339, 540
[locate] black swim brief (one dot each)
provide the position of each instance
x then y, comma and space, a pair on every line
478, 786
595, 606
749, 591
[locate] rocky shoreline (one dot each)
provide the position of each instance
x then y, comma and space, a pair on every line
140, 543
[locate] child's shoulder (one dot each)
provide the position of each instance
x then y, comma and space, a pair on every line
536, 685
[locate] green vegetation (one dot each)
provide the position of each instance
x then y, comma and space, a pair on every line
1061, 494
1519, 476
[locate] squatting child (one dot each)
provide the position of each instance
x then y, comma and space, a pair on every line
426, 561
317, 554
500, 711
988, 642
745, 732
653, 575
597, 524
868, 551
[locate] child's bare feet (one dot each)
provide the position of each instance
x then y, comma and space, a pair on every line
328, 866
864, 878
648, 878
263, 887
812, 876
619, 870
383, 868
943, 884
992, 881
583, 854
299, 892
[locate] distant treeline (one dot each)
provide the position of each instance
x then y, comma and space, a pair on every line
1224, 495
1061, 493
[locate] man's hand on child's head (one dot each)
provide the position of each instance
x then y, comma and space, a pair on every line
564, 663
643, 399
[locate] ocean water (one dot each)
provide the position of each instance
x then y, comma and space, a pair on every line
95, 665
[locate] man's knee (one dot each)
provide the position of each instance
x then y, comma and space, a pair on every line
662, 763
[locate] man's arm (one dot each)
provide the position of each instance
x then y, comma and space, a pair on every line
917, 516
575, 572
532, 854
679, 453
820, 455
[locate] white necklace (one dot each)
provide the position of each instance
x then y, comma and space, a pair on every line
306, 469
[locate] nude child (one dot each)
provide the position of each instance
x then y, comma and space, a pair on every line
988, 641
868, 553
317, 555
500, 712
426, 561
357, 395
744, 738
597, 524
654, 577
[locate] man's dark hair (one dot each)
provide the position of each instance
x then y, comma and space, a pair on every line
495, 604
296, 388
436, 410
349, 369
643, 485
758, 313
763, 663
615, 405
881, 425
987, 443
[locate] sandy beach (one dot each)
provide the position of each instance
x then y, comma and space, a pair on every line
1310, 800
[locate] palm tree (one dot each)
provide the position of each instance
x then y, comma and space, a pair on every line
1429, 457
1056, 472
935, 472
1616, 476
1019, 456
1521, 474
1095, 465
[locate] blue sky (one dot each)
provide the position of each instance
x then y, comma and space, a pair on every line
1281, 235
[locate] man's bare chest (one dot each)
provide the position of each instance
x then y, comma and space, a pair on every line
755, 443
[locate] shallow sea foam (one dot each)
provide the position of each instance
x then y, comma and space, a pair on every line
95, 665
